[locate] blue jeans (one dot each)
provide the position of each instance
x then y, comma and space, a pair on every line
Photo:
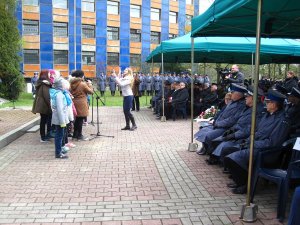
59, 135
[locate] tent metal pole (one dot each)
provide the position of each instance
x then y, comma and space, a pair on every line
252, 67
249, 210
163, 118
192, 146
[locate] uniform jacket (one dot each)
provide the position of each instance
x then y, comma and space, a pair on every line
79, 89
157, 82
230, 115
149, 82
102, 82
41, 103
112, 83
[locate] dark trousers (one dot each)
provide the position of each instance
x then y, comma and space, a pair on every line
112, 93
127, 105
45, 121
239, 175
78, 127
59, 135
66, 134
294, 217
136, 103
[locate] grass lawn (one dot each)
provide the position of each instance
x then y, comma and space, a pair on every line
26, 99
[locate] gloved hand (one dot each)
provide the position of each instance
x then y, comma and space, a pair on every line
63, 125
229, 137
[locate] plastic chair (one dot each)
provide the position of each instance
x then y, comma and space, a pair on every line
264, 168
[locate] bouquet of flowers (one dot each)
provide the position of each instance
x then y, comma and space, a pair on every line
209, 113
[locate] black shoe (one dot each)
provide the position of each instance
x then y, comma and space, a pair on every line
202, 151
61, 156
226, 171
133, 128
137, 110
125, 128
240, 190
212, 161
232, 185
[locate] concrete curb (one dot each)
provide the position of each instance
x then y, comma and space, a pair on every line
16, 133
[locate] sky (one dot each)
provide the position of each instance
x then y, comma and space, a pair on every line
204, 5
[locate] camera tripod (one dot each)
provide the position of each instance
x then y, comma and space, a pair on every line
98, 128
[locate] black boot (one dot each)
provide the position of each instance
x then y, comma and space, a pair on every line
127, 127
133, 122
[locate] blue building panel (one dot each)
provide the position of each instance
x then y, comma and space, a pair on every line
71, 36
164, 21
46, 37
146, 23
20, 22
196, 8
78, 34
124, 33
181, 17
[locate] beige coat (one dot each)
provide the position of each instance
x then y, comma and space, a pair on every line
80, 89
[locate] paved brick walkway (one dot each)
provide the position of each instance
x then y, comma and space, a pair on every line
145, 177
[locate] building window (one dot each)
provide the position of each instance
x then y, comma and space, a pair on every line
61, 4
155, 37
60, 29
88, 5
135, 59
189, 2
60, 57
173, 17
135, 11
113, 7
112, 58
31, 2
88, 58
113, 33
172, 36
88, 31
30, 27
188, 20
155, 14
31, 56
135, 35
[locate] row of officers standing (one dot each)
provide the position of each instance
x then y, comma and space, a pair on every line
148, 84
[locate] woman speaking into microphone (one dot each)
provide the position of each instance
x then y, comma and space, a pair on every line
126, 84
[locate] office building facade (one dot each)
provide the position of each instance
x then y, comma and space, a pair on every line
96, 35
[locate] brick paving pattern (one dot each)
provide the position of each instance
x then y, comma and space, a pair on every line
11, 119
145, 177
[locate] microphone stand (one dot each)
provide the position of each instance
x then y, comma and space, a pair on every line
98, 128
92, 121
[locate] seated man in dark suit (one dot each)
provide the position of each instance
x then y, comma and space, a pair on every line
271, 131
179, 99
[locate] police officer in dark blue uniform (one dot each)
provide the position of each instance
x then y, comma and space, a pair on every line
149, 82
292, 110
156, 83
226, 119
241, 130
112, 83
270, 132
102, 83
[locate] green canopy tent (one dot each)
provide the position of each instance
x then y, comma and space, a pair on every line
280, 18
226, 50
276, 18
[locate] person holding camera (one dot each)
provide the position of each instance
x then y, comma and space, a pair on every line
126, 84
235, 76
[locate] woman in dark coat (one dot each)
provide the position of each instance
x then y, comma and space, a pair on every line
136, 93
41, 104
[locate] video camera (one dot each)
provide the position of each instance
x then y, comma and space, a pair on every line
223, 73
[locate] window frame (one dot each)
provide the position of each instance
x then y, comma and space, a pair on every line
113, 62
155, 34
172, 15
88, 53
30, 22
60, 24
137, 33
110, 33
112, 5
90, 29
86, 3
153, 13
137, 59
59, 3
26, 51
138, 8
65, 53
24, 2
